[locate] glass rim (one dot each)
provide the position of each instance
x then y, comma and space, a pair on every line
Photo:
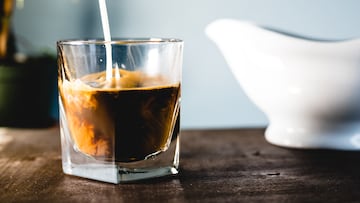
119, 41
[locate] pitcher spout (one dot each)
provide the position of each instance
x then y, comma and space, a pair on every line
233, 37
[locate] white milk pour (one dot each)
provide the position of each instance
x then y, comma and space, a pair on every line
107, 37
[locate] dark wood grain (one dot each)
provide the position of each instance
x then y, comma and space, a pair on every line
216, 166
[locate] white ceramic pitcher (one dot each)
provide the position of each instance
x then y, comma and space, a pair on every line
309, 89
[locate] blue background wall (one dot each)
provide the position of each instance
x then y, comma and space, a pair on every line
211, 96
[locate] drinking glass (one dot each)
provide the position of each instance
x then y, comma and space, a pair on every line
119, 107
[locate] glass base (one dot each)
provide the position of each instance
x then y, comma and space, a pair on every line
116, 174
78, 164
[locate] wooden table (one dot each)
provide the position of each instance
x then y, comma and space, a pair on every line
216, 166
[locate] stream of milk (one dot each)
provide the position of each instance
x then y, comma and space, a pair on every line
107, 37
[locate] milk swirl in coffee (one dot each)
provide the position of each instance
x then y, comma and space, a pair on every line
123, 119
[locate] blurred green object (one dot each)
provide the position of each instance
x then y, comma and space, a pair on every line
27, 93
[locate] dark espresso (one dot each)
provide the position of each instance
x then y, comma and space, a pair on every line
126, 120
